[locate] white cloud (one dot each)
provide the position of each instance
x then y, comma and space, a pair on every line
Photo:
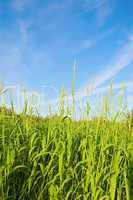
123, 58
87, 44
103, 9
128, 85
103, 13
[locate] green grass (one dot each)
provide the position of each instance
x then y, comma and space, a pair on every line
58, 158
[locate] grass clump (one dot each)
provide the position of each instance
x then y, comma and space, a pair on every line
58, 158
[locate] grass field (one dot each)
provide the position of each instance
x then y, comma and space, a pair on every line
58, 158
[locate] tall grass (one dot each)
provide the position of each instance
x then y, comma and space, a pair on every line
58, 158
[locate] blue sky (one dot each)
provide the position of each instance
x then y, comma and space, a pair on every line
41, 40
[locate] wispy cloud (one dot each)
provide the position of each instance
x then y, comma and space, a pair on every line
103, 13
90, 43
103, 9
123, 58
128, 85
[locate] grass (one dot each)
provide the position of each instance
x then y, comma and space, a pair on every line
57, 158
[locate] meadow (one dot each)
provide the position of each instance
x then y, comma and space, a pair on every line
57, 157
